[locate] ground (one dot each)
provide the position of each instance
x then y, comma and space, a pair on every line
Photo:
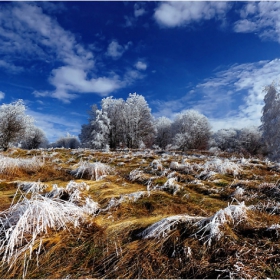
138, 214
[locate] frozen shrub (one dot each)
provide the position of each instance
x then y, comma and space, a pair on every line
92, 171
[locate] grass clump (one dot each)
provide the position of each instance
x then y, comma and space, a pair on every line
92, 171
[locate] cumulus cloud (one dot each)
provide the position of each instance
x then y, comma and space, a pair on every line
27, 32
260, 17
140, 65
231, 98
174, 14
115, 50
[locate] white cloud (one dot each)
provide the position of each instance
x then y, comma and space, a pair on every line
115, 50
2, 95
231, 98
26, 32
262, 18
10, 67
140, 65
173, 14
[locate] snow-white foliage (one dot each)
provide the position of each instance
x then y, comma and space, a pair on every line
102, 126
32, 187
93, 171
191, 130
271, 120
35, 138
226, 139
164, 134
210, 228
121, 124
14, 123
10, 166
162, 228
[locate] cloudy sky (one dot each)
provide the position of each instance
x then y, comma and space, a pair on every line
214, 57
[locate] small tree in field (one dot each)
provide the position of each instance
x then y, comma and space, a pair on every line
14, 123
34, 139
68, 142
191, 130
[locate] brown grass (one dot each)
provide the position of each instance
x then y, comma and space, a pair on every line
108, 245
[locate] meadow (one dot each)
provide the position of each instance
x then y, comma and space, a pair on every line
138, 214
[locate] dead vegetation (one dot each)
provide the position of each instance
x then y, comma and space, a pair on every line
138, 214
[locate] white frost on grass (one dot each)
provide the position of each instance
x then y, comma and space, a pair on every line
162, 228
10, 166
24, 222
170, 186
93, 171
32, 187
211, 227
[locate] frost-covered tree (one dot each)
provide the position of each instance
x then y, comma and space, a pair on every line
101, 130
120, 123
271, 121
226, 139
68, 142
35, 138
14, 123
250, 140
139, 123
191, 130
164, 134
115, 109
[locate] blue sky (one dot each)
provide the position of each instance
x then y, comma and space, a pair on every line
214, 57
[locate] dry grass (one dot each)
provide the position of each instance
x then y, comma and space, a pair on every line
141, 215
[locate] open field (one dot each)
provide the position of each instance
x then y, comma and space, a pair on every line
138, 214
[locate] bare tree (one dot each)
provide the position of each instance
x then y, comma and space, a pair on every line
13, 123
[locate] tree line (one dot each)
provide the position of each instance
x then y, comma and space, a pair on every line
129, 123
